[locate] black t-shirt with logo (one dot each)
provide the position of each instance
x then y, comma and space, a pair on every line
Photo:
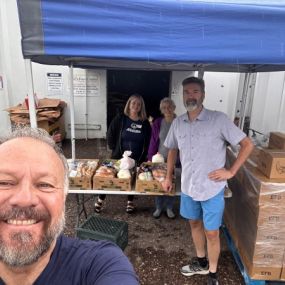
133, 137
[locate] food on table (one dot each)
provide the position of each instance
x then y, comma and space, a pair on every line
157, 158
124, 173
145, 176
82, 168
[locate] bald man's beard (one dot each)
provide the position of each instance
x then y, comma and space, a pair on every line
25, 249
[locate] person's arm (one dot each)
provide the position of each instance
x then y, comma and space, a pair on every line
223, 173
147, 134
171, 160
112, 132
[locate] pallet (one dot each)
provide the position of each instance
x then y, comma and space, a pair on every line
247, 279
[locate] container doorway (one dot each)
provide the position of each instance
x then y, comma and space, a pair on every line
151, 85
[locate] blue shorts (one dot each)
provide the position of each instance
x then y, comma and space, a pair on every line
209, 211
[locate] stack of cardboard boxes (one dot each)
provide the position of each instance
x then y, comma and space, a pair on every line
49, 112
272, 160
255, 215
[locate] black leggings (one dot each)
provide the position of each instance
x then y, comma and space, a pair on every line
103, 197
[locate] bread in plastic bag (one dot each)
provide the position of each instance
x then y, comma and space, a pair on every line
126, 161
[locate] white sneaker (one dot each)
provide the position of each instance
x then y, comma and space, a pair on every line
194, 268
156, 214
170, 214
98, 206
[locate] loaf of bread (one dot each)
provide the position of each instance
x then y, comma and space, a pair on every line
159, 172
104, 171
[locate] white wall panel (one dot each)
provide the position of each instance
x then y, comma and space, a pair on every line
268, 110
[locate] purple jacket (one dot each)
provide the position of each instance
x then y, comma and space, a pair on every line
154, 140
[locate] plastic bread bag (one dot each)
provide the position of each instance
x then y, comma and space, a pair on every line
126, 161
145, 176
124, 173
157, 158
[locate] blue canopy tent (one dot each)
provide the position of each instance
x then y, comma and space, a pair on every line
229, 35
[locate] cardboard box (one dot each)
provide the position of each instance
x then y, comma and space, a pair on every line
261, 262
255, 218
263, 272
113, 183
277, 140
107, 183
272, 163
153, 186
54, 127
49, 115
80, 182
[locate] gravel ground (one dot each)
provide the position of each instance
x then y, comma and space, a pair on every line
157, 248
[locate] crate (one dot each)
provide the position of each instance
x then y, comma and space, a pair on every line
152, 187
82, 182
100, 228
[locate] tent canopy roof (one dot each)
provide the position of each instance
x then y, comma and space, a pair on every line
237, 35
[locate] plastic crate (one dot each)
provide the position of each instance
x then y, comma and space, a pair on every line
99, 228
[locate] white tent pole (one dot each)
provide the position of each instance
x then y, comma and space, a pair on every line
71, 104
30, 90
201, 73
281, 108
244, 100
86, 107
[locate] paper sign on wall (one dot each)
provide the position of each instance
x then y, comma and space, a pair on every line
79, 85
54, 83
86, 84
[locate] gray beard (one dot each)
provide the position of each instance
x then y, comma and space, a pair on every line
27, 251
191, 107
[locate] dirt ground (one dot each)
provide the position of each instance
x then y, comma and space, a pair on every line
157, 248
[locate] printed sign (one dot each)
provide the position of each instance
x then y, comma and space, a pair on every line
86, 83
54, 83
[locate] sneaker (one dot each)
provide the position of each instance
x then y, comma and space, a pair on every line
170, 214
212, 281
130, 207
98, 205
156, 214
194, 268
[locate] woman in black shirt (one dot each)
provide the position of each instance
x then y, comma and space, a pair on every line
129, 131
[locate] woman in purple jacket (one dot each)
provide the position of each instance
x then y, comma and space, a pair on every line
159, 132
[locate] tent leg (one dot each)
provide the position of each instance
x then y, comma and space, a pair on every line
244, 99
281, 108
30, 90
201, 73
71, 103
86, 109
